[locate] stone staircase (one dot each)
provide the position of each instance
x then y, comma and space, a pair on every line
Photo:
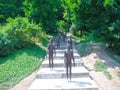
55, 79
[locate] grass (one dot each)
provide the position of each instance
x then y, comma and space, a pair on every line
20, 64
108, 75
118, 74
99, 66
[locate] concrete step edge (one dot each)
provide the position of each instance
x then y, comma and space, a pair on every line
63, 84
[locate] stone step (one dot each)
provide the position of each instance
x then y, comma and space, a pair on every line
61, 55
47, 73
63, 84
60, 63
62, 58
57, 63
61, 47
55, 79
62, 51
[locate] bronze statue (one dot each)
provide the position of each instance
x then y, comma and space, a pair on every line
68, 62
70, 46
51, 49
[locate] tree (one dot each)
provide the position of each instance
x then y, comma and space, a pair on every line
10, 8
44, 12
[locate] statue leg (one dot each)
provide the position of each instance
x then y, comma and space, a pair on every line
49, 60
67, 69
52, 59
73, 59
70, 70
69, 66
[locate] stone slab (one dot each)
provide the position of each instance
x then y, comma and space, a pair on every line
60, 63
63, 84
55, 73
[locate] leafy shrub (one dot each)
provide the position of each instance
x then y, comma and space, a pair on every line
113, 36
16, 34
100, 66
108, 75
118, 73
4, 44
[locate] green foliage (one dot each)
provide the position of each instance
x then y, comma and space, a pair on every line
79, 16
84, 50
20, 64
89, 37
16, 34
98, 16
62, 26
118, 73
113, 36
99, 66
45, 12
10, 8
69, 14
4, 41
108, 75
74, 29
108, 3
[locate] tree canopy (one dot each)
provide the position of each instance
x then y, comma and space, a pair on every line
85, 16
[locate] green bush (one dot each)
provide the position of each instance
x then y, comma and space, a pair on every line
100, 66
4, 44
113, 36
118, 73
108, 75
16, 34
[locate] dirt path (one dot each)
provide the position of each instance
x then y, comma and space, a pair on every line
25, 83
97, 52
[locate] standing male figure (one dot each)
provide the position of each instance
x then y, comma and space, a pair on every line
51, 49
68, 63
70, 46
